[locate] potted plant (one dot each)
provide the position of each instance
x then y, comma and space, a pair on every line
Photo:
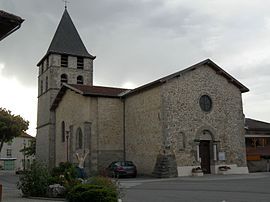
223, 169
197, 171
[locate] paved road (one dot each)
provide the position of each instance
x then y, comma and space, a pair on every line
237, 188
10, 192
211, 188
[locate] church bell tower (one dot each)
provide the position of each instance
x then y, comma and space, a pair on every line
66, 61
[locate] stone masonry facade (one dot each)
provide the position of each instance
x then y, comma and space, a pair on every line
49, 81
140, 126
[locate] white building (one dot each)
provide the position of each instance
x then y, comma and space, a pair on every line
10, 156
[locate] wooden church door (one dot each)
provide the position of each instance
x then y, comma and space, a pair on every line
204, 149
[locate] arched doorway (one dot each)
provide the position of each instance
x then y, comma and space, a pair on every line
204, 151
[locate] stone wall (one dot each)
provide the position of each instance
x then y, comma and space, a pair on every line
101, 121
74, 110
184, 119
110, 131
143, 129
51, 75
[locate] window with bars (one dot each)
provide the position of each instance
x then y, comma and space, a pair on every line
64, 61
80, 80
64, 78
80, 63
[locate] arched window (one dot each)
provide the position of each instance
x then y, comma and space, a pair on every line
79, 80
79, 138
181, 141
63, 131
64, 78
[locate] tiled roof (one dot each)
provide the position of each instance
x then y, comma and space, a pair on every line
8, 23
252, 124
25, 135
98, 90
86, 90
208, 62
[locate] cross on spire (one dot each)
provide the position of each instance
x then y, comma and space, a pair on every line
66, 2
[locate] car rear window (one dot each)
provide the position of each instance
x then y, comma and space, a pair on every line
129, 163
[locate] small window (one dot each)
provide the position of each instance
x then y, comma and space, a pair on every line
80, 63
64, 78
63, 131
9, 153
41, 86
79, 139
64, 61
46, 84
79, 80
205, 103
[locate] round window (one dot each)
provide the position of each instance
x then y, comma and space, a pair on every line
205, 103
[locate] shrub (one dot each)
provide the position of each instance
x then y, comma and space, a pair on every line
65, 175
91, 192
35, 181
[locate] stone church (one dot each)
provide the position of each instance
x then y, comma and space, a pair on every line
195, 115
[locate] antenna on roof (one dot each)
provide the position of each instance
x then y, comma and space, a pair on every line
66, 2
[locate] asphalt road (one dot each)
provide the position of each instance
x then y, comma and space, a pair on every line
241, 188
210, 188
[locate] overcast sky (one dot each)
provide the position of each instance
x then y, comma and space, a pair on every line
137, 41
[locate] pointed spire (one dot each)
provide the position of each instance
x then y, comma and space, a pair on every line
67, 40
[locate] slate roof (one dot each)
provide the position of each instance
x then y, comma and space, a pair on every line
85, 90
67, 40
8, 23
255, 125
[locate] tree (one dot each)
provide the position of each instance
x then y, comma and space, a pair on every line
30, 150
10, 126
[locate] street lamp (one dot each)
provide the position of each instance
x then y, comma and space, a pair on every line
67, 136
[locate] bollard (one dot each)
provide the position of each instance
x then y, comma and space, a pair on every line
0, 193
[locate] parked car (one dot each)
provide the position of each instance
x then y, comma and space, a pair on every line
122, 169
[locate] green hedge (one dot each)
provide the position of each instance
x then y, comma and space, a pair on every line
92, 193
